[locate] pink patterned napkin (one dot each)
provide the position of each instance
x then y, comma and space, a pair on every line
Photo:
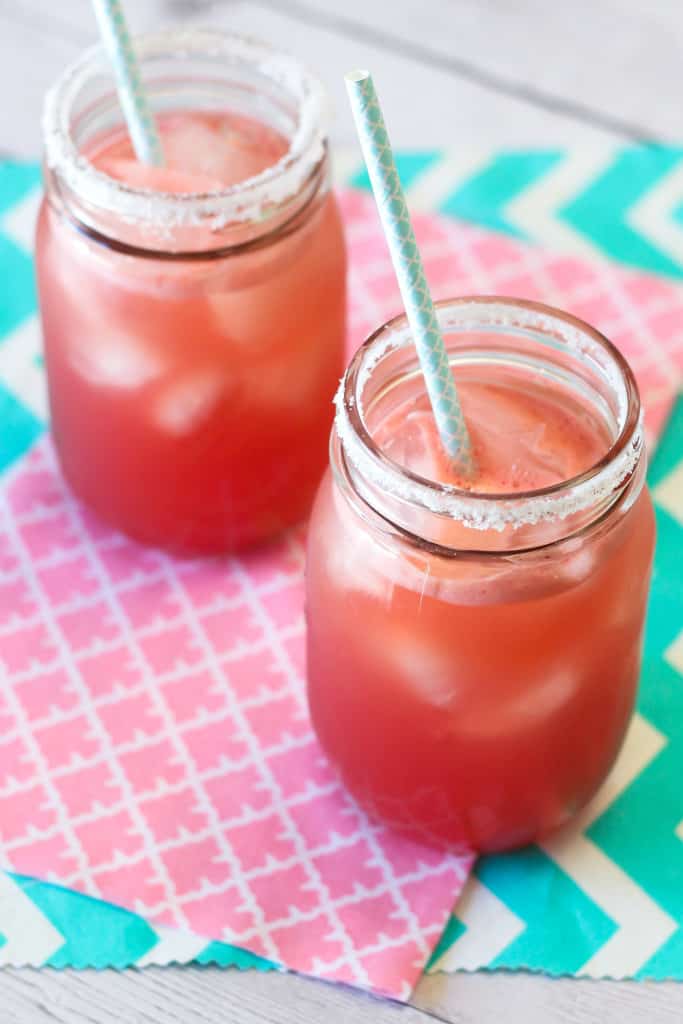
155, 749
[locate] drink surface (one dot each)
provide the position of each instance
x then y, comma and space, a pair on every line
523, 439
191, 399
481, 698
203, 152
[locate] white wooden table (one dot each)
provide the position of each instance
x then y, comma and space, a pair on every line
471, 73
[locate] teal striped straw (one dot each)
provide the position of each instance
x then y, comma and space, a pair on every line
407, 261
116, 38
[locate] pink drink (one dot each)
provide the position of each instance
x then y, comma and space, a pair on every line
203, 152
474, 684
524, 438
192, 355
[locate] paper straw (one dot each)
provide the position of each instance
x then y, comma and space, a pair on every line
117, 41
407, 262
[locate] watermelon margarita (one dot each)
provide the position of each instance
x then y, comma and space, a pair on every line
474, 646
193, 315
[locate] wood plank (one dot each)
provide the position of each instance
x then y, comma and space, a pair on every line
618, 60
30, 59
180, 995
425, 106
214, 996
536, 999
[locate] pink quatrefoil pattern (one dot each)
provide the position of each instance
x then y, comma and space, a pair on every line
155, 749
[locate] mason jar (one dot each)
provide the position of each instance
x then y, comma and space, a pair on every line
474, 651
194, 332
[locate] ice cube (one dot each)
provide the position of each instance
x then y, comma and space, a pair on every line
114, 360
579, 561
429, 671
229, 149
188, 400
538, 702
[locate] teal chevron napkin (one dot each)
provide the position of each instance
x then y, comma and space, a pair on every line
624, 204
615, 905
47, 925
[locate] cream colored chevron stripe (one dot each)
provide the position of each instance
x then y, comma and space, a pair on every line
19, 222
491, 927
20, 367
436, 183
174, 946
535, 210
674, 653
642, 924
654, 215
669, 493
346, 162
30, 939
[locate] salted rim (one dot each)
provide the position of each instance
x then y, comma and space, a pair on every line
241, 202
488, 511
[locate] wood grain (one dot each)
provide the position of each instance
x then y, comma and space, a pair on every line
201, 995
614, 64
452, 72
520, 998
208, 995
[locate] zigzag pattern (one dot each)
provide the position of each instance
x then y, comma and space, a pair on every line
47, 925
22, 402
626, 204
608, 897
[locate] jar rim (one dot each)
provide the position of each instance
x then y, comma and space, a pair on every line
493, 510
239, 202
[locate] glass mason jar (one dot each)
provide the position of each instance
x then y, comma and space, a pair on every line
193, 340
473, 658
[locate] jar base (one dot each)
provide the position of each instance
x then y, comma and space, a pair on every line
192, 542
